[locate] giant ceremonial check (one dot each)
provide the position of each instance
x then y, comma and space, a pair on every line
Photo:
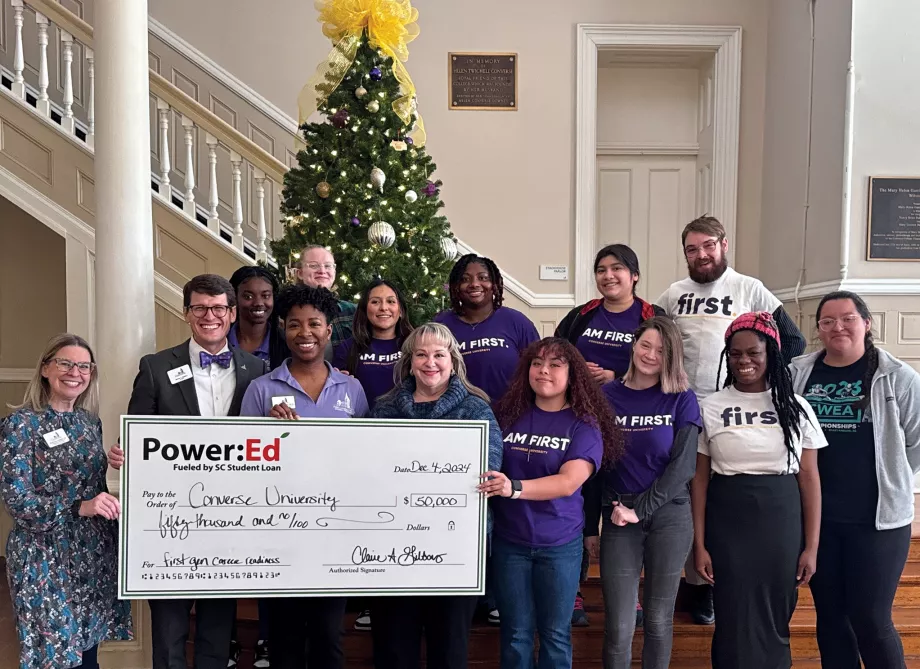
238, 507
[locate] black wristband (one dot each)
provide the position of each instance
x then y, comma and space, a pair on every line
75, 508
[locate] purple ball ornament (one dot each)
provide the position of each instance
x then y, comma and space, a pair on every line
340, 118
376, 74
408, 140
430, 190
356, 221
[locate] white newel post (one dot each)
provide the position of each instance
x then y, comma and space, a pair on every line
91, 102
236, 161
43, 105
19, 63
213, 199
189, 206
261, 250
124, 282
67, 121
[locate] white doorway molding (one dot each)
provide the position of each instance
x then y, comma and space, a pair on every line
724, 43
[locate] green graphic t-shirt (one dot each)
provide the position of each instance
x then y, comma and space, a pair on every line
849, 485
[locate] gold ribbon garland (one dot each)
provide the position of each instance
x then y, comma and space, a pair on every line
390, 26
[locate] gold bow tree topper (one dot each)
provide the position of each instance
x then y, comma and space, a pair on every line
363, 186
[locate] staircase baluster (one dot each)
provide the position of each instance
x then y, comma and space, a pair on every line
213, 200
91, 103
165, 167
43, 105
67, 121
189, 206
19, 63
236, 160
261, 253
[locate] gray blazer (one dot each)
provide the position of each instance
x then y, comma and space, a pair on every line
154, 395
895, 406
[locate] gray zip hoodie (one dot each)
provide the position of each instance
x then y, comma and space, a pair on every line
895, 407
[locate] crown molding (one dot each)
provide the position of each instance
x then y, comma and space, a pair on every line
867, 286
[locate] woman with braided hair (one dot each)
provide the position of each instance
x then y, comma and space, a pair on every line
868, 403
756, 486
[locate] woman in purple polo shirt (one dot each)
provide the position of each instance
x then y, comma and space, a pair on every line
491, 336
557, 430
381, 325
645, 498
306, 386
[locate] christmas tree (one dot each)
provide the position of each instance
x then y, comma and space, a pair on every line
363, 186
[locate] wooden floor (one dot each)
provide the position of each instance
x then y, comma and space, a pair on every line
691, 642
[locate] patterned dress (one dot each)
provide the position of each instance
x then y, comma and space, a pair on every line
62, 570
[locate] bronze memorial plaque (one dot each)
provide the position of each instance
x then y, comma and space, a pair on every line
483, 81
894, 218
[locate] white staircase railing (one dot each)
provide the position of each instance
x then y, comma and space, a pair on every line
177, 120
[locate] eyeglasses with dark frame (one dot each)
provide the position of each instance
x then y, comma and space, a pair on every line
65, 365
201, 310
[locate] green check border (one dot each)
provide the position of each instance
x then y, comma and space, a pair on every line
123, 556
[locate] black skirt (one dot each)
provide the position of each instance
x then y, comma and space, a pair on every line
754, 536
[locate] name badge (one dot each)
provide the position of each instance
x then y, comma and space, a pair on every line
179, 374
283, 399
56, 438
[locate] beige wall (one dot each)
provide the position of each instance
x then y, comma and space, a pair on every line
33, 299
786, 138
887, 108
509, 176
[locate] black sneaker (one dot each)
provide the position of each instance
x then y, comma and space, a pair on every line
363, 621
702, 610
579, 617
640, 615
261, 656
234, 654
494, 617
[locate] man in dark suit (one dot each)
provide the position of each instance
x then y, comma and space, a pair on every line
200, 377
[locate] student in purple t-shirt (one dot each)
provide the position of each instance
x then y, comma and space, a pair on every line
380, 326
645, 498
305, 386
557, 430
602, 329
491, 336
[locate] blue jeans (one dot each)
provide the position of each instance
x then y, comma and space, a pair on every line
535, 588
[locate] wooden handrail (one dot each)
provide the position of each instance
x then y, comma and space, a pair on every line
184, 104
225, 133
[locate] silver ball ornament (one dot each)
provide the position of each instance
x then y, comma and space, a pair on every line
449, 248
411, 196
378, 178
381, 234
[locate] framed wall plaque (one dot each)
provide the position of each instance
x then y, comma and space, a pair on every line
894, 218
482, 81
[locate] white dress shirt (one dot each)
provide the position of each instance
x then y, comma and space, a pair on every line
214, 385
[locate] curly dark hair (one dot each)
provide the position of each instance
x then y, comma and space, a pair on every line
583, 394
790, 412
300, 295
362, 331
456, 274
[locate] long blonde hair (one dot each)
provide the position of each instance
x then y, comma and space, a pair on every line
441, 334
673, 377
38, 392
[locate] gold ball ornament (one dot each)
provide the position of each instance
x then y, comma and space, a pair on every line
373, 106
323, 189
360, 92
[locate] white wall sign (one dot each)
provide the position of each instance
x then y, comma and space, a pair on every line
554, 272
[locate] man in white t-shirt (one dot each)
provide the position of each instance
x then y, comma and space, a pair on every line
703, 306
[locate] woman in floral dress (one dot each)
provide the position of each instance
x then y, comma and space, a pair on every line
62, 553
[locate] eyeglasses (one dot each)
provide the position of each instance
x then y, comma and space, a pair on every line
65, 365
200, 310
313, 266
848, 321
709, 247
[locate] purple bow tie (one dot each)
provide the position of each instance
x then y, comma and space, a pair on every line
222, 359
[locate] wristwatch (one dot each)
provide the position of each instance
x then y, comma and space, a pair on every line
516, 489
